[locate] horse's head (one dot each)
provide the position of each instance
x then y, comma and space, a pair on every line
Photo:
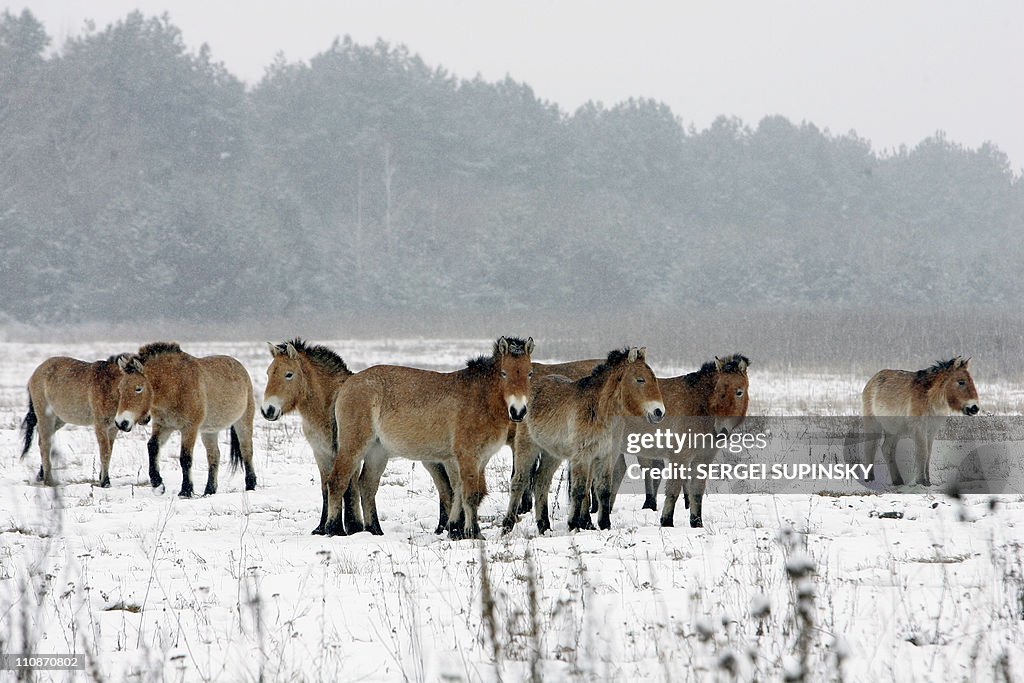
729, 399
134, 393
512, 362
961, 395
286, 381
638, 389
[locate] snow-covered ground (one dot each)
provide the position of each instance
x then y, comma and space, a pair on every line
232, 586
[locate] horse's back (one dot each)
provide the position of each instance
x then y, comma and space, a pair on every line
63, 385
680, 398
413, 412
889, 393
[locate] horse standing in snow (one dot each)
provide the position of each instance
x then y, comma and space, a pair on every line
716, 397
899, 402
64, 391
576, 421
195, 396
307, 378
459, 419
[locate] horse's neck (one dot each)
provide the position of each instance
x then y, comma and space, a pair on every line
935, 396
697, 396
484, 390
606, 403
318, 404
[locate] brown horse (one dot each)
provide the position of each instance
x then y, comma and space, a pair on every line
946, 388
307, 378
459, 419
193, 396
64, 391
576, 421
717, 397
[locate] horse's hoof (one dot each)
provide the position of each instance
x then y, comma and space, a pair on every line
543, 527
375, 529
650, 503
159, 489
588, 525
356, 527
185, 494
525, 506
926, 482
250, 482
209, 490
105, 483
334, 529
40, 476
439, 530
696, 523
604, 525
507, 526
668, 523
319, 531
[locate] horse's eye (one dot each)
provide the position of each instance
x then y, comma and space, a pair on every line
138, 390
962, 383
640, 380
289, 375
530, 375
504, 374
739, 393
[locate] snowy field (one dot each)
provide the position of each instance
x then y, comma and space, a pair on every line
233, 587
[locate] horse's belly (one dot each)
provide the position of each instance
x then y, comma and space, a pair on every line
221, 415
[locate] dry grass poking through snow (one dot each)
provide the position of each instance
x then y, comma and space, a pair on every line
232, 586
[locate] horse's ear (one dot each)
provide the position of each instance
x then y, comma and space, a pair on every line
122, 362
965, 362
632, 355
502, 346
274, 350
529, 345
742, 364
136, 365
719, 363
290, 349
641, 353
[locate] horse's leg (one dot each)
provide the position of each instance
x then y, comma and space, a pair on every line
668, 509
188, 444
889, 451
545, 473
618, 473
353, 442
457, 516
158, 437
526, 504
212, 461
105, 440
444, 493
47, 426
524, 459
374, 463
651, 485
474, 488
871, 444
579, 510
324, 457
921, 454
602, 486
243, 432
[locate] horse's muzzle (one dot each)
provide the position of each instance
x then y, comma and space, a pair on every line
516, 414
124, 425
270, 413
971, 410
656, 416
144, 421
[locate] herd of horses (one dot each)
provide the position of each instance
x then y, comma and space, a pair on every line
451, 422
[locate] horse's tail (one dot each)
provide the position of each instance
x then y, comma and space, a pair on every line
236, 451
28, 425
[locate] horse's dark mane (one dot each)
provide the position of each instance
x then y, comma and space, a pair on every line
112, 360
326, 358
615, 358
157, 348
481, 365
938, 366
735, 363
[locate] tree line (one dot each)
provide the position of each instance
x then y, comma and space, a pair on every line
139, 178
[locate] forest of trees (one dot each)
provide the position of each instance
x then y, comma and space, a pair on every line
138, 178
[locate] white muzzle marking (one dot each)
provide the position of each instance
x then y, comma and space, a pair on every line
654, 411
125, 420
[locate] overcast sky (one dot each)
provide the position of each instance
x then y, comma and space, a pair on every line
895, 72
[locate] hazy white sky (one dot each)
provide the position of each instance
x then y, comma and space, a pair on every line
893, 71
